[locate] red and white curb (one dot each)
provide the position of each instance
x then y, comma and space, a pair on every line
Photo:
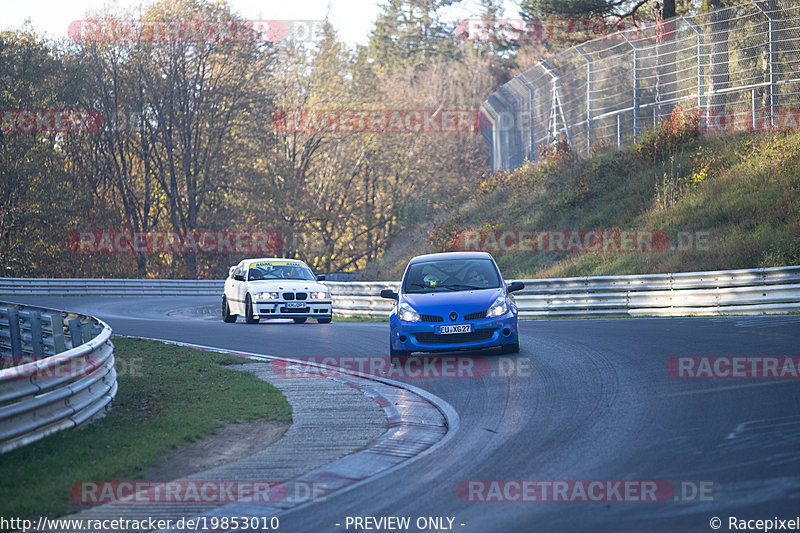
419, 422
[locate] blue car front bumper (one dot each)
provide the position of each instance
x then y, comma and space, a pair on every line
424, 336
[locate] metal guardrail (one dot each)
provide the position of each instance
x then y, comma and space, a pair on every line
56, 372
755, 291
741, 292
111, 287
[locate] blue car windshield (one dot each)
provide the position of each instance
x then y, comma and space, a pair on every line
451, 275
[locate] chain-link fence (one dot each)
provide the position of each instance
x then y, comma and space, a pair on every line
734, 64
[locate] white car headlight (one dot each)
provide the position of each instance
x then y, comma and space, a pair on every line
267, 296
498, 308
320, 295
406, 313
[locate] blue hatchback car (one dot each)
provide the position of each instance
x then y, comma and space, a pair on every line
453, 301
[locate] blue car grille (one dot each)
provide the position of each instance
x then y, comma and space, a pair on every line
456, 338
475, 316
430, 318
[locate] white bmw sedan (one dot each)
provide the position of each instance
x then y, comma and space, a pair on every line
275, 288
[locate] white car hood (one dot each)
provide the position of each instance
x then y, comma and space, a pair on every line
285, 285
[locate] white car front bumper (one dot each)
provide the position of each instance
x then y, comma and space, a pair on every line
280, 309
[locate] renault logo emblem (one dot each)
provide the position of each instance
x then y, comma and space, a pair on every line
453, 315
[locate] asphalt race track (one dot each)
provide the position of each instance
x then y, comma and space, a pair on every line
589, 400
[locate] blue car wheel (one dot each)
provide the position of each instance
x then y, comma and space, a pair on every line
398, 353
511, 347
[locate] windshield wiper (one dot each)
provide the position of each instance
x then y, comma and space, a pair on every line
462, 287
430, 288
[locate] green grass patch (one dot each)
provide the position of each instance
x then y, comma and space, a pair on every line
168, 397
353, 318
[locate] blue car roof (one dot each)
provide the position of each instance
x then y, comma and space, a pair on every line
450, 255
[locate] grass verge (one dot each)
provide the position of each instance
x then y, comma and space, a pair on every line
168, 396
353, 318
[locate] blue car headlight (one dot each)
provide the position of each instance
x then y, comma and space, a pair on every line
406, 313
498, 308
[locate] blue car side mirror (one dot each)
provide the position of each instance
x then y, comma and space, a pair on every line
516, 286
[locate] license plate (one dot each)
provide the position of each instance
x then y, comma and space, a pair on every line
295, 305
455, 328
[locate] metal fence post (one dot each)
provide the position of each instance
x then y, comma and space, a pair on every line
532, 100
497, 158
558, 108
490, 135
522, 95
701, 86
636, 95
589, 90
772, 47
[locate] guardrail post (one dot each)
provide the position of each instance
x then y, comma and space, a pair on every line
36, 333
57, 324
86, 332
772, 48
14, 333
75, 333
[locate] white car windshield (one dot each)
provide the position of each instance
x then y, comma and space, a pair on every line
279, 271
